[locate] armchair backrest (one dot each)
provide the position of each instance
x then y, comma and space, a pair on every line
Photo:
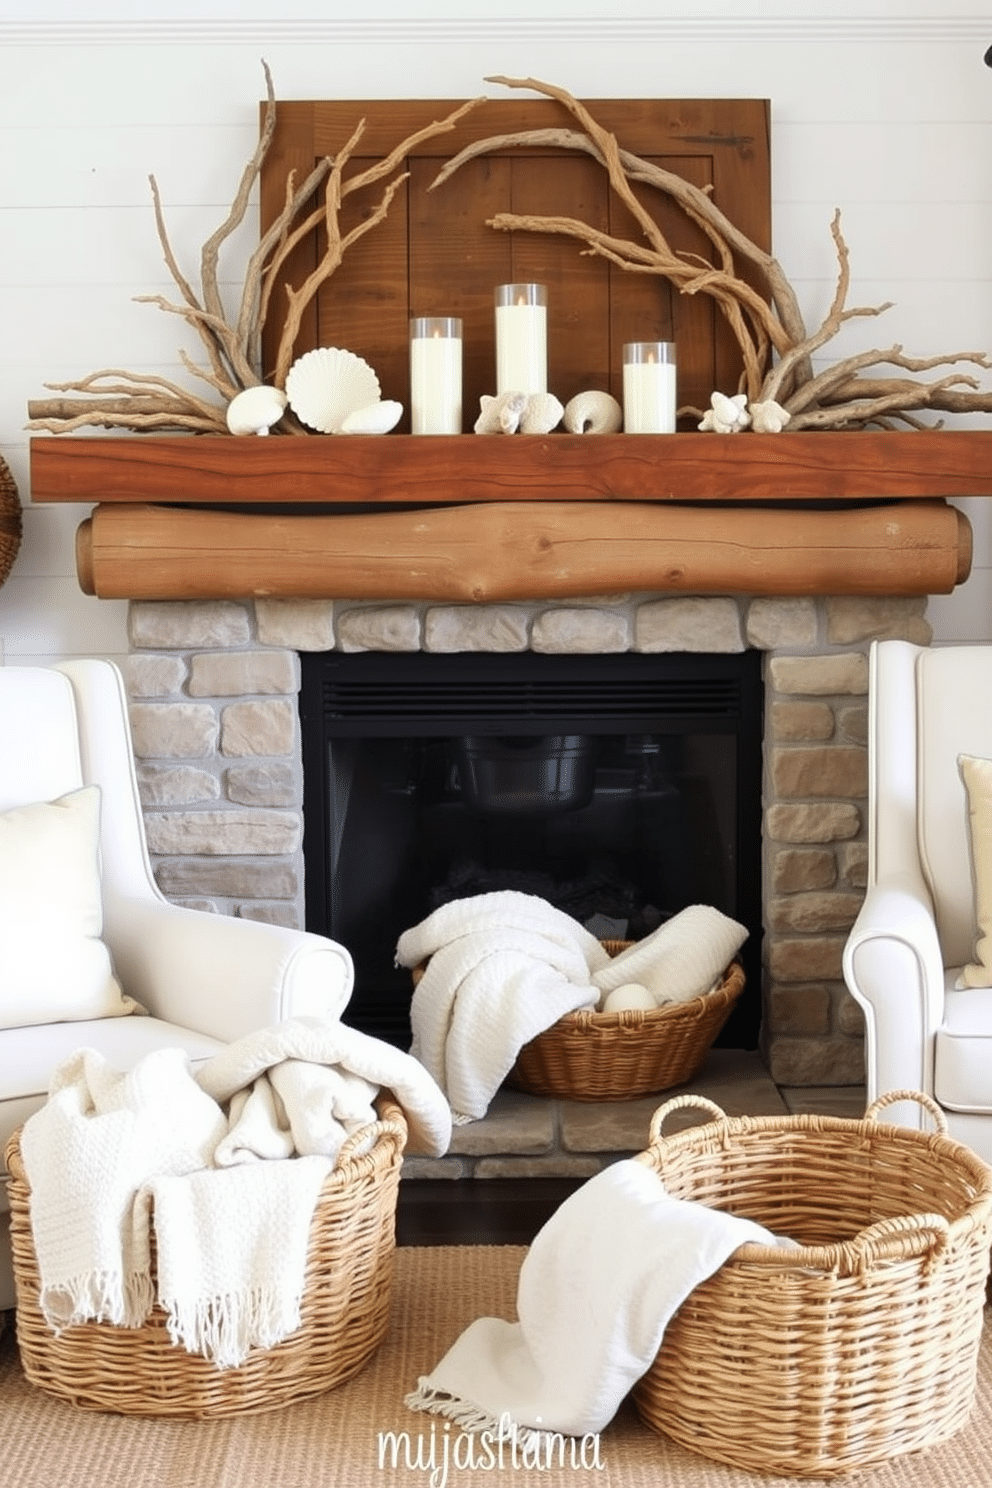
65, 726
928, 706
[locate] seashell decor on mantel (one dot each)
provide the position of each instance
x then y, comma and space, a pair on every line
336, 392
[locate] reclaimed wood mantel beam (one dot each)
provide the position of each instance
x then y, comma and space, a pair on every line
510, 551
408, 470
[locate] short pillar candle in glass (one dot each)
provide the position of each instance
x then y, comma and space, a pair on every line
649, 387
521, 338
435, 374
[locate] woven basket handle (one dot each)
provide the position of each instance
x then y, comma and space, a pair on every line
369, 1134
892, 1097
680, 1103
910, 1234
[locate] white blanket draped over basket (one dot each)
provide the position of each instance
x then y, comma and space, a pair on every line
225, 1166
597, 1289
502, 967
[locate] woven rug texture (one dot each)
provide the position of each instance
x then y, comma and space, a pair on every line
338, 1440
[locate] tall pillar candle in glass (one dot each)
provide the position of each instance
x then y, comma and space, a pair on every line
521, 338
435, 374
649, 387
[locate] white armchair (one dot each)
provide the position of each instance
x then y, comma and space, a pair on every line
918, 925
204, 979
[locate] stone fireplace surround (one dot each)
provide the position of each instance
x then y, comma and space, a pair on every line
213, 687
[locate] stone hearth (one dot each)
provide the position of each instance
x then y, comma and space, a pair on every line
213, 688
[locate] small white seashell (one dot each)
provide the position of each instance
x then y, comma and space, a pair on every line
500, 415
541, 414
377, 418
726, 415
593, 413
630, 995
255, 410
325, 385
769, 418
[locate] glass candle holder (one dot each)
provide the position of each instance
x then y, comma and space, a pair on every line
435, 374
649, 387
521, 338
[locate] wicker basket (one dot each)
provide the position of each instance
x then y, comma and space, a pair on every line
10, 520
345, 1309
861, 1344
591, 1056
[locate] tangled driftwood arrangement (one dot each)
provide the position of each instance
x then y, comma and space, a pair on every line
115, 398
779, 388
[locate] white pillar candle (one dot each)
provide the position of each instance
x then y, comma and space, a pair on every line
435, 374
649, 387
521, 338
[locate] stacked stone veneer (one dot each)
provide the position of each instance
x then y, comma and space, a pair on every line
213, 688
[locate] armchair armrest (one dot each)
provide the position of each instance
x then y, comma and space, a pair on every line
221, 976
894, 968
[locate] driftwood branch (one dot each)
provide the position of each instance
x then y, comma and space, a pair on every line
763, 322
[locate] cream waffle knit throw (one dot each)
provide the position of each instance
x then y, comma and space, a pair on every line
227, 1178
597, 1289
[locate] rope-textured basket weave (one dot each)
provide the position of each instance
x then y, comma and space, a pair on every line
344, 1311
857, 1346
10, 520
593, 1056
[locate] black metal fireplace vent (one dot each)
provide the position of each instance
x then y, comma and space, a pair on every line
394, 825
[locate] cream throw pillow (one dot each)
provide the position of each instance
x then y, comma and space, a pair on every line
977, 776
54, 968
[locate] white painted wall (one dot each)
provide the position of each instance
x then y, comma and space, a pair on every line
886, 114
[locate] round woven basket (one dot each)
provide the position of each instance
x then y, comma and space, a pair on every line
344, 1312
593, 1056
860, 1344
10, 520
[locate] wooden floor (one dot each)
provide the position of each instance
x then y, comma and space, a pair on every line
472, 1211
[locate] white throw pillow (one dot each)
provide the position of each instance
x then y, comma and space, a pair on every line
54, 968
977, 776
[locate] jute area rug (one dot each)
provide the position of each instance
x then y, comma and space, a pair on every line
336, 1440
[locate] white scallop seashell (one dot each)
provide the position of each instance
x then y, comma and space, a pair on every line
542, 413
377, 418
255, 410
325, 385
593, 413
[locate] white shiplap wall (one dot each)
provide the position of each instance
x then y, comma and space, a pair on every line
886, 114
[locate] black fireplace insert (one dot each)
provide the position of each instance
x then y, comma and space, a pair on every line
620, 788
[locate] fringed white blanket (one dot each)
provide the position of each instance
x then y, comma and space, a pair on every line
503, 967
226, 1167
597, 1289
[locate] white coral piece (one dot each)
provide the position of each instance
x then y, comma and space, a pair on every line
542, 413
726, 415
593, 413
769, 417
502, 414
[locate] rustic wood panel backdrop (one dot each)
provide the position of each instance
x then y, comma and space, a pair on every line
435, 255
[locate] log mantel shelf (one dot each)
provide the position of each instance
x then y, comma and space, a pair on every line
473, 519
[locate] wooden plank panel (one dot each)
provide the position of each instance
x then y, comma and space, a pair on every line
718, 142
504, 551
839, 467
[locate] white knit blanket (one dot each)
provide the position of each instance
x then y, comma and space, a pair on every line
597, 1289
503, 967
225, 1167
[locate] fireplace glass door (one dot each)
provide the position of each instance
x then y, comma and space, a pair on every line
619, 788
